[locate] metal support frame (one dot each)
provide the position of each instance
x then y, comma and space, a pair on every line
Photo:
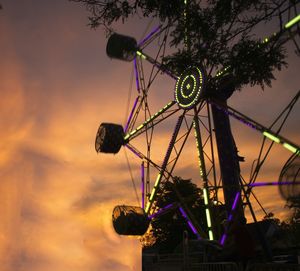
282, 36
164, 165
151, 121
294, 148
203, 174
154, 62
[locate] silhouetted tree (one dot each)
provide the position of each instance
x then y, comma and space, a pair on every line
292, 226
287, 235
271, 217
167, 229
220, 33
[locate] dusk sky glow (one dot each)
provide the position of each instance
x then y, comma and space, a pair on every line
57, 85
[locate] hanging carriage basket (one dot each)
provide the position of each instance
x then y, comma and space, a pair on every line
109, 138
130, 220
289, 181
121, 47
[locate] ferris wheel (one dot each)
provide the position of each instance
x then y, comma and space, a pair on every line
196, 114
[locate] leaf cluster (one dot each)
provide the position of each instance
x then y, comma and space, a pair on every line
215, 34
167, 229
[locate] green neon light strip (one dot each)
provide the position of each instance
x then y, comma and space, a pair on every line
185, 28
140, 127
166, 107
140, 54
157, 180
208, 218
272, 137
205, 196
200, 165
147, 207
288, 146
264, 130
222, 71
291, 148
286, 26
292, 22
205, 193
153, 193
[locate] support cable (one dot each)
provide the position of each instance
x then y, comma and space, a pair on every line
132, 179
128, 98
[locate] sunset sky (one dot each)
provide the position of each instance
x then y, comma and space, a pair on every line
57, 85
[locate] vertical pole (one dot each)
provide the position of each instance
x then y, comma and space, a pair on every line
143, 184
136, 76
212, 151
230, 217
131, 114
228, 159
203, 174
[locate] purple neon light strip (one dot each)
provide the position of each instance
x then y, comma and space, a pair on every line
273, 183
235, 201
230, 217
131, 114
160, 66
182, 212
224, 236
162, 210
143, 184
131, 149
150, 35
137, 82
253, 124
223, 239
189, 222
193, 228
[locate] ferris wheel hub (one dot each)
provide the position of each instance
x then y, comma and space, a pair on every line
190, 87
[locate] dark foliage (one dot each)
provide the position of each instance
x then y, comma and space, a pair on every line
288, 233
167, 230
219, 33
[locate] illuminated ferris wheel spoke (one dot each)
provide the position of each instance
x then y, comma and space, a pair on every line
154, 62
131, 114
292, 147
149, 123
203, 174
152, 35
262, 184
183, 139
164, 165
282, 36
126, 48
143, 157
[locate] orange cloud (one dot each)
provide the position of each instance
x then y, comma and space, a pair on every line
57, 194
